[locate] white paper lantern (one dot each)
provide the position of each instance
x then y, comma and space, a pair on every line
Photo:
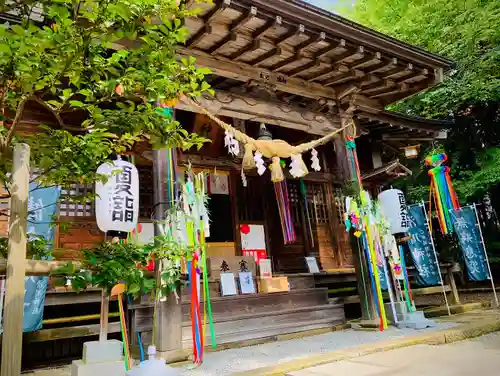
117, 201
393, 207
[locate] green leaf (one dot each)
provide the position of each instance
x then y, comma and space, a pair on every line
76, 103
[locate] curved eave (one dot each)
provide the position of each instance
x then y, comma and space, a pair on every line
328, 21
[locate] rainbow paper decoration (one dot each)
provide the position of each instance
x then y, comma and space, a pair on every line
442, 191
359, 217
283, 200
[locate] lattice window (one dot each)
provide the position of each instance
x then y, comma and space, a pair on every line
339, 201
68, 208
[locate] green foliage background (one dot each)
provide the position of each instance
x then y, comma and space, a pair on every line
467, 31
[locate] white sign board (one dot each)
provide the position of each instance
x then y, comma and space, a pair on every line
265, 268
253, 237
228, 284
312, 265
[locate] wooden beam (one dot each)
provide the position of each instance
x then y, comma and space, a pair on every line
374, 87
240, 71
303, 68
333, 47
309, 43
270, 25
208, 18
283, 63
269, 112
337, 68
382, 66
233, 30
349, 54
251, 47
14, 286
347, 91
367, 60
287, 37
244, 20
212, 14
399, 88
414, 76
299, 49
198, 37
396, 72
215, 49
38, 267
272, 53
344, 77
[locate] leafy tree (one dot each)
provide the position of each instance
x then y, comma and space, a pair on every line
468, 33
100, 68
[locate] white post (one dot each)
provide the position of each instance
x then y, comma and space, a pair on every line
486, 255
422, 205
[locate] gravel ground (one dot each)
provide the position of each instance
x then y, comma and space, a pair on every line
230, 361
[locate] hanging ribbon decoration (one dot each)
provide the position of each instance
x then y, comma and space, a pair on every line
442, 189
283, 200
360, 219
303, 191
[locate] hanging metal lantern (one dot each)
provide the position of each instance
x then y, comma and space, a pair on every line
411, 152
117, 201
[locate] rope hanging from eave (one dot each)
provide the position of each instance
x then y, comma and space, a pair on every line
272, 149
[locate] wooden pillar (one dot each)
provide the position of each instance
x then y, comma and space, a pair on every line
14, 296
168, 336
453, 295
103, 333
234, 181
367, 302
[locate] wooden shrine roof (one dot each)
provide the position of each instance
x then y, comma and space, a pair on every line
298, 49
387, 173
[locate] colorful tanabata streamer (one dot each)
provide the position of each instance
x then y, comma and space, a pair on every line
197, 227
281, 191
441, 188
303, 191
362, 220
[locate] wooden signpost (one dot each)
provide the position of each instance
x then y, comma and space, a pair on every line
14, 296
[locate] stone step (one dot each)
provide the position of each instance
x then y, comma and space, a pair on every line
226, 324
245, 334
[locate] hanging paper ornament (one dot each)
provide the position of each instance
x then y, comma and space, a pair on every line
117, 201
269, 148
315, 160
298, 168
243, 178
231, 144
259, 162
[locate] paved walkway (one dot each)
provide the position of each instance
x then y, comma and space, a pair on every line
480, 356
248, 358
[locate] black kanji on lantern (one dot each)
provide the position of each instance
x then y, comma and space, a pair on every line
224, 267
405, 221
123, 200
243, 266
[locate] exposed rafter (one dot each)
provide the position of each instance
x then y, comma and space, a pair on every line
268, 27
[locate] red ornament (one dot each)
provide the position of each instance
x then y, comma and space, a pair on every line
245, 229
